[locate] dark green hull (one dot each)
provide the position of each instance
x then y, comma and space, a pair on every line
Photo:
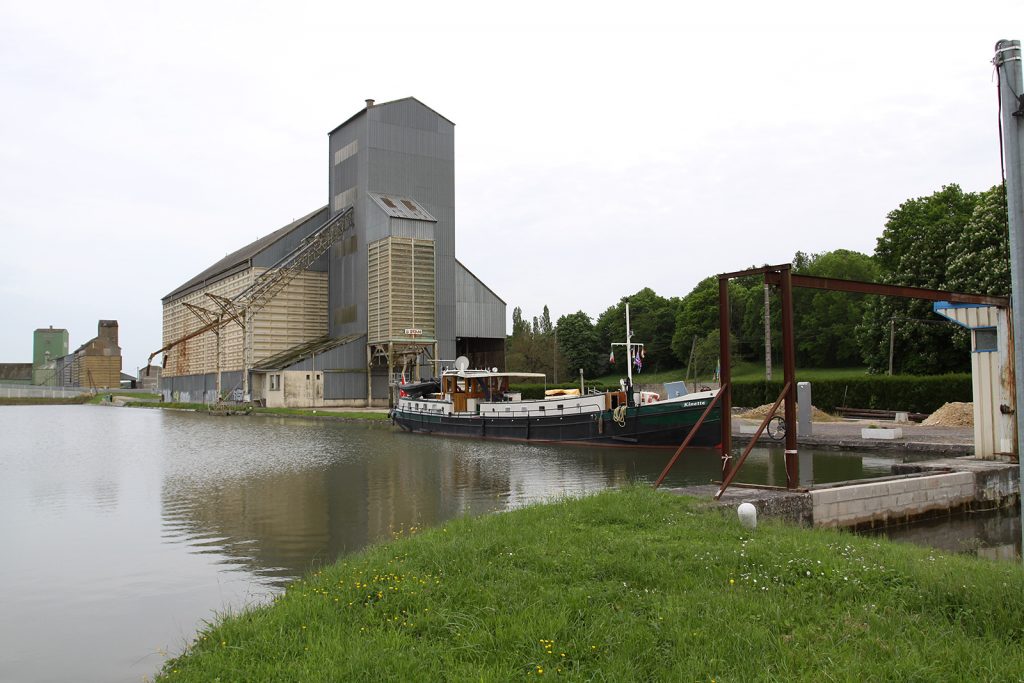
657, 424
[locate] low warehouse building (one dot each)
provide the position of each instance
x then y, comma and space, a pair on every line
335, 307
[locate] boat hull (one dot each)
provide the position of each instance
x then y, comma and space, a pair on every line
658, 424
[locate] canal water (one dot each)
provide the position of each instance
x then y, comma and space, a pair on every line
124, 530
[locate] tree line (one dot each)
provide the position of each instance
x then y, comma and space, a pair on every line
949, 240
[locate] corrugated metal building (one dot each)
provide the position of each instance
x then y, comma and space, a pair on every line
15, 373
389, 296
48, 344
95, 364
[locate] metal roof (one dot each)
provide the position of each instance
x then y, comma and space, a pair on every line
479, 281
239, 260
384, 104
15, 372
401, 207
300, 352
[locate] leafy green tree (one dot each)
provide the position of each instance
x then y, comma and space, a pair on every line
545, 322
698, 315
652, 318
519, 326
915, 250
532, 348
579, 345
980, 257
824, 322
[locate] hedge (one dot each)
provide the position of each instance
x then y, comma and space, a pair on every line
917, 394
913, 393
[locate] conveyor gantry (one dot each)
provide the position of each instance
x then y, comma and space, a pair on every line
243, 306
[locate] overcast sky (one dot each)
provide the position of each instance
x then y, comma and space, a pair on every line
599, 147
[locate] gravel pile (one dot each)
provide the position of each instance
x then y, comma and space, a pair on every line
760, 412
952, 415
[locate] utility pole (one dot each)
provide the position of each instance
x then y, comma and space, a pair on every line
554, 356
1007, 61
892, 337
767, 336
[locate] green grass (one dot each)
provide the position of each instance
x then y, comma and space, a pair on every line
311, 412
627, 586
40, 401
106, 396
171, 405
299, 412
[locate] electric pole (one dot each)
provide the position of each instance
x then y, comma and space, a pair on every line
767, 336
1011, 103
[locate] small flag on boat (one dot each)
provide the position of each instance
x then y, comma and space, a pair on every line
401, 392
638, 362
611, 357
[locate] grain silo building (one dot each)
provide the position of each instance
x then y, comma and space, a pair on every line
335, 308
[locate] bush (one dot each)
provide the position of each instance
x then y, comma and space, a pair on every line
913, 393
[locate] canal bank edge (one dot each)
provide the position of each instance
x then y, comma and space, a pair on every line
916, 491
523, 595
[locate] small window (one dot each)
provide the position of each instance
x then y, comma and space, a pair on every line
307, 377
318, 376
275, 382
986, 340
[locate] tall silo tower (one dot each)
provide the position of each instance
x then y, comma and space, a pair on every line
393, 280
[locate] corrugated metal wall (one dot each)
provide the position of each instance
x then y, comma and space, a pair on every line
296, 315
402, 148
198, 388
401, 288
347, 183
480, 313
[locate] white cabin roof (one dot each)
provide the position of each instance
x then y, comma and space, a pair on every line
488, 373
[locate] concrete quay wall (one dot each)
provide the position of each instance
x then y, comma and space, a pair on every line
885, 502
916, 491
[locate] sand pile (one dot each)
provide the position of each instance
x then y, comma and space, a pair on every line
952, 415
760, 412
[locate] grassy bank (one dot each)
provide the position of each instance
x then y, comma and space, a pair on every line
625, 586
40, 401
287, 412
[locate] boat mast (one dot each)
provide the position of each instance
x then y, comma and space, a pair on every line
629, 349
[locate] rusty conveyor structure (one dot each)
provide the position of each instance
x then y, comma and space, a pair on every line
782, 277
243, 306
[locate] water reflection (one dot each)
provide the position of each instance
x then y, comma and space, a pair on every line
321, 490
295, 493
124, 530
994, 535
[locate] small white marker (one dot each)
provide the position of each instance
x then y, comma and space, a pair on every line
748, 515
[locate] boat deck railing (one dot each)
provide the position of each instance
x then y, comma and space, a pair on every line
506, 411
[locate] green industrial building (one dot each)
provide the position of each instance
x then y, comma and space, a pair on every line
48, 344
